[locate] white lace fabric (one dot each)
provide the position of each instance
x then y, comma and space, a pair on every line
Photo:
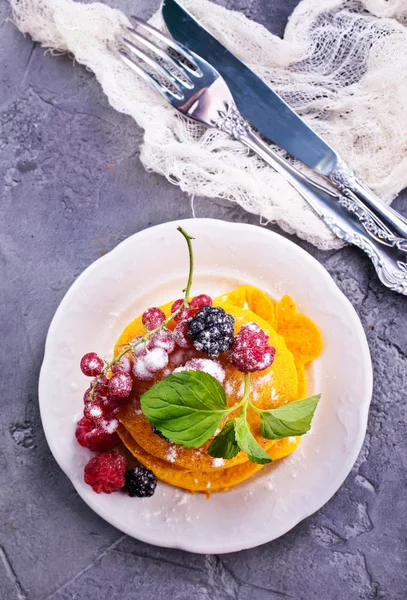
342, 65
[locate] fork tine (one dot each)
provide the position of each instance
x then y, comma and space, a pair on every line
178, 66
133, 49
172, 44
165, 92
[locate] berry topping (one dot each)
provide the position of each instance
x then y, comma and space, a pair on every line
176, 305
212, 367
181, 336
140, 482
211, 330
102, 386
123, 365
140, 349
93, 437
120, 384
156, 360
162, 339
250, 350
158, 432
92, 364
140, 370
103, 409
152, 318
106, 472
200, 301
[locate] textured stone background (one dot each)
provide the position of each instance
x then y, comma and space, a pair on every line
72, 187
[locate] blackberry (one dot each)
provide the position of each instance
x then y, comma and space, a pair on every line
211, 330
140, 482
158, 432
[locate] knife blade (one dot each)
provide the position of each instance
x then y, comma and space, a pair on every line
257, 102
279, 123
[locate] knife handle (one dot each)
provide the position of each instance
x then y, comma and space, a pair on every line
392, 225
389, 260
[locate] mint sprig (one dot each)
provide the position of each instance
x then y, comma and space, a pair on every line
188, 407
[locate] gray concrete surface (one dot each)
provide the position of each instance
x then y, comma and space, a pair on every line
72, 187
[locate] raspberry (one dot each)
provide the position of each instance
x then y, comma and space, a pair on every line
200, 301
120, 385
124, 365
91, 364
181, 336
162, 339
140, 482
212, 367
152, 318
211, 330
156, 360
106, 472
93, 437
103, 409
250, 350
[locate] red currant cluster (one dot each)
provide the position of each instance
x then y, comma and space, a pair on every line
145, 356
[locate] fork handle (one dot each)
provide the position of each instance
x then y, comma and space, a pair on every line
389, 260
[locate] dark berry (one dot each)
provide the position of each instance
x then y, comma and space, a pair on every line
250, 350
152, 318
120, 384
140, 482
92, 364
158, 432
211, 330
106, 472
200, 301
94, 437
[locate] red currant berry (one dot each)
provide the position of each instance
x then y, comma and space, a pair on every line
93, 437
181, 336
99, 410
124, 365
162, 339
250, 350
92, 364
105, 472
101, 388
176, 305
120, 385
200, 301
153, 318
156, 360
141, 372
141, 348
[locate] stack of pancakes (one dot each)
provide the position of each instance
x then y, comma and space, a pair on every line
297, 341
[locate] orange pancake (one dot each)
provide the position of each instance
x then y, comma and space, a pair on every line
215, 480
271, 387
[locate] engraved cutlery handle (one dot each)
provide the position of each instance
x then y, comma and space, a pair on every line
390, 220
347, 223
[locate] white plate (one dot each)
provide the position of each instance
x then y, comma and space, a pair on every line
150, 268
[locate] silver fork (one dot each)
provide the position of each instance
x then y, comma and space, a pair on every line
197, 90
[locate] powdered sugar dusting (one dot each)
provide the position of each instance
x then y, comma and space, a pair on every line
217, 462
171, 454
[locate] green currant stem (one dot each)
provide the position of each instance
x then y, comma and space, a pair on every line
164, 324
254, 407
246, 393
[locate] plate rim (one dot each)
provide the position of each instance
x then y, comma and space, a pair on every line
364, 405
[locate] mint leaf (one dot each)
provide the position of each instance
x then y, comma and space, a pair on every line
293, 418
186, 407
248, 443
225, 445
